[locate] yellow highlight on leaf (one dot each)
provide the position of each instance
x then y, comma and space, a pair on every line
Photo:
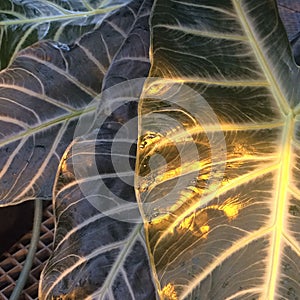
149, 138
231, 207
231, 211
187, 223
243, 150
168, 292
158, 89
64, 165
204, 229
181, 170
196, 224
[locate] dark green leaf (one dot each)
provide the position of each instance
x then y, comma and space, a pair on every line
42, 95
24, 22
100, 250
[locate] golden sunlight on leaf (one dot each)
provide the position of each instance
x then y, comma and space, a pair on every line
204, 230
224, 196
168, 293
149, 138
158, 89
196, 224
231, 207
64, 165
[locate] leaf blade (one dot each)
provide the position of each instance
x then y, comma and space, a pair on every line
43, 93
204, 221
23, 23
110, 263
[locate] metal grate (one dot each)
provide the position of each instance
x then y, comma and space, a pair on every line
12, 261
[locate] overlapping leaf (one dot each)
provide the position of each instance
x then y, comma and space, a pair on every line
290, 14
24, 22
219, 152
42, 94
100, 251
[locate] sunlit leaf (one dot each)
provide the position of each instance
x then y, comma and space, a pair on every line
24, 22
99, 250
219, 152
42, 95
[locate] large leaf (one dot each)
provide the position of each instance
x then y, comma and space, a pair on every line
42, 95
219, 152
97, 254
24, 22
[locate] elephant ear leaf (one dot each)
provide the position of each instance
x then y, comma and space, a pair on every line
23, 23
219, 152
42, 95
290, 14
99, 250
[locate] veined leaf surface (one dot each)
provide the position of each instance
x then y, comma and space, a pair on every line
24, 22
221, 228
290, 14
42, 95
289, 11
99, 250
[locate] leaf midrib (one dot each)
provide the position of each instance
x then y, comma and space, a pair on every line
284, 153
73, 16
120, 260
81, 260
258, 51
283, 173
281, 203
46, 125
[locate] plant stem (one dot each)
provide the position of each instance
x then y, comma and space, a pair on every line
38, 212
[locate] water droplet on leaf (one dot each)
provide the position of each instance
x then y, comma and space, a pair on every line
61, 46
